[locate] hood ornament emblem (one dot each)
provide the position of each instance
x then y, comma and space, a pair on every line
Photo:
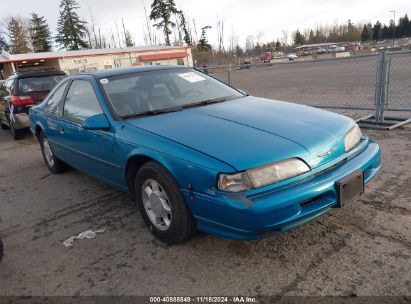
328, 152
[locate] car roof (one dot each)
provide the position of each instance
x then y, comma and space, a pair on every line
36, 72
122, 71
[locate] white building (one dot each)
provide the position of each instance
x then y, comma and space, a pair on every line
73, 62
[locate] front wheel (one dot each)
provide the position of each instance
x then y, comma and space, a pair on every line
54, 164
162, 205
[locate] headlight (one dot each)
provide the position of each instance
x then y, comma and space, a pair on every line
352, 138
262, 176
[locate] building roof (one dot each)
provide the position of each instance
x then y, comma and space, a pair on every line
6, 57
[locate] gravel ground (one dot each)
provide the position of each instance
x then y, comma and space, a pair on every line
361, 250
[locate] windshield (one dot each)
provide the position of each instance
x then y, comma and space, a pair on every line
39, 84
164, 90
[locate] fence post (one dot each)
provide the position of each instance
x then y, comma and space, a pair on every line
381, 86
229, 75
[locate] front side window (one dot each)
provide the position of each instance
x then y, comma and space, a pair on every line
52, 106
81, 101
139, 93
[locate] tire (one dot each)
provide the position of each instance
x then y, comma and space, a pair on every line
54, 164
181, 224
17, 134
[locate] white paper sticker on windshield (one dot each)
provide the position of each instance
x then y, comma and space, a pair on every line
191, 77
104, 81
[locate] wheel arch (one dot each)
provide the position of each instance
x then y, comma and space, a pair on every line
135, 162
37, 130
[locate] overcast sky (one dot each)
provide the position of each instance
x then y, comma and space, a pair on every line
267, 18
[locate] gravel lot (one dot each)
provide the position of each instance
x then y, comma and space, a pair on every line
361, 250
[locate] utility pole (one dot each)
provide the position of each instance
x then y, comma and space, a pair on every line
393, 30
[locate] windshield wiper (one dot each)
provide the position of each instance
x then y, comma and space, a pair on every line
205, 102
153, 112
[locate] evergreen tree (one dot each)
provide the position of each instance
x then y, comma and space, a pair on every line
365, 34
3, 44
18, 39
162, 10
71, 30
238, 51
298, 38
203, 44
183, 24
403, 28
311, 37
376, 31
277, 43
40, 34
128, 39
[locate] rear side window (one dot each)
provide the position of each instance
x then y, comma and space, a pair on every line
81, 101
52, 106
39, 84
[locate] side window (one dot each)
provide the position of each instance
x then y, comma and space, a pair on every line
52, 106
81, 101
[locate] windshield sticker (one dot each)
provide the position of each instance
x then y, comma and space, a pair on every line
104, 81
191, 77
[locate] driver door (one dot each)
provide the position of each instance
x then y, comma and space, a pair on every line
91, 151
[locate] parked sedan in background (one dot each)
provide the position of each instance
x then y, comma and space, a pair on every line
198, 154
21, 91
292, 56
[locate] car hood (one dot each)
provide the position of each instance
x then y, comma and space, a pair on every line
250, 131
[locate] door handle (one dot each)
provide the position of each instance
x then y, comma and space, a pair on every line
61, 129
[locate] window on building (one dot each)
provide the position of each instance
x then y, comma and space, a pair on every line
180, 61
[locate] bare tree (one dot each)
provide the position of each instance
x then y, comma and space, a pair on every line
195, 30
120, 42
220, 35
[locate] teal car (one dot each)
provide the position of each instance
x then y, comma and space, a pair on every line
197, 154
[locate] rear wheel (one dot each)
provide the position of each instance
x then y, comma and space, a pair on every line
162, 205
54, 164
17, 134
3, 126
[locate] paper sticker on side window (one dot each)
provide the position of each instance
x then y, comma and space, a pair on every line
191, 77
104, 81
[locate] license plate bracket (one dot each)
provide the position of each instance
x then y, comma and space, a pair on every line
349, 188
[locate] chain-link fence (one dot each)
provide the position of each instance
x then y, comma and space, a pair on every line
399, 81
345, 83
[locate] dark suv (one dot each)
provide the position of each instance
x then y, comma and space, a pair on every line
22, 90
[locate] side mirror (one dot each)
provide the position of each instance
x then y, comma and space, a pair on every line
96, 122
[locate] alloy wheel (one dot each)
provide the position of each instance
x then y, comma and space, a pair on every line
48, 153
156, 204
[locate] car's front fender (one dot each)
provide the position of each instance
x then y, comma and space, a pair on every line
188, 175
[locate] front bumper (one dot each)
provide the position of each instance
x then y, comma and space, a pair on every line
261, 215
